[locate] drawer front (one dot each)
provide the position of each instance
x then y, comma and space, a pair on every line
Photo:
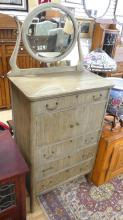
51, 128
58, 151
81, 169
60, 103
45, 170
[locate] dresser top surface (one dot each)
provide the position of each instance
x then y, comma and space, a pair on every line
46, 85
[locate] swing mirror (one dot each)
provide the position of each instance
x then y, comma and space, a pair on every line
49, 32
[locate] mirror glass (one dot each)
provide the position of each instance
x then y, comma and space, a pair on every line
96, 8
119, 12
49, 33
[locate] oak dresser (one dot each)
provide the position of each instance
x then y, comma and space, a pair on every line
58, 119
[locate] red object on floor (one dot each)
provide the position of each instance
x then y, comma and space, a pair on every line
43, 1
11, 126
3, 126
13, 169
8, 127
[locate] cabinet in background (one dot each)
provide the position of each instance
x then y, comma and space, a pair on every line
13, 171
109, 159
8, 34
105, 37
119, 59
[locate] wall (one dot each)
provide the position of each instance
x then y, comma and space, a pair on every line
32, 4
21, 15
79, 10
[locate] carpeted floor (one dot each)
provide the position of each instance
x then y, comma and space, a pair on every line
81, 200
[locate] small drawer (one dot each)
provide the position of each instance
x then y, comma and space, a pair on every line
93, 96
45, 170
71, 101
80, 169
91, 138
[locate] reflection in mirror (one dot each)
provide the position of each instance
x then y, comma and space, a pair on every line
96, 8
50, 33
119, 12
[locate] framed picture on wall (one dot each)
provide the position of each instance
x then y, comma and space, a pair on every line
14, 5
43, 1
86, 27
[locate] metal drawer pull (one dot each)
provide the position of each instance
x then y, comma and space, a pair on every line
21, 48
71, 126
97, 98
67, 171
47, 156
52, 108
50, 168
77, 123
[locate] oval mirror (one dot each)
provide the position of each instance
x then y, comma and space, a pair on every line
49, 32
96, 8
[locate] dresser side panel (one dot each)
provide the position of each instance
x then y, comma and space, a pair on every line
22, 122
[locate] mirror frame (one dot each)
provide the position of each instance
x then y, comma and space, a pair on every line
86, 11
27, 23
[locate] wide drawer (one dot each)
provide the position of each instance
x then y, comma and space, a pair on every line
59, 126
59, 103
50, 182
45, 170
50, 153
